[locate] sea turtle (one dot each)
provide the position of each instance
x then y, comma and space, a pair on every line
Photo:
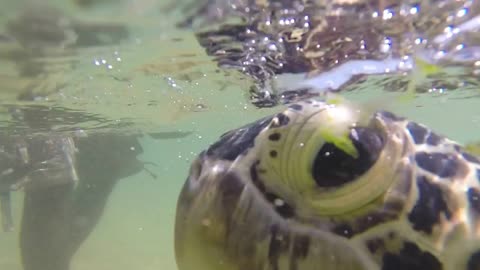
280, 194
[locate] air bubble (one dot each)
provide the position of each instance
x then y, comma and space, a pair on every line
462, 12
413, 10
387, 14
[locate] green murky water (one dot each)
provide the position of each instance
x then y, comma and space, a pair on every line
157, 80
133, 73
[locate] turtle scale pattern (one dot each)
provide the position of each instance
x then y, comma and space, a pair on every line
232, 217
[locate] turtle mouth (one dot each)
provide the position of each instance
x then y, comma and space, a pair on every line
333, 167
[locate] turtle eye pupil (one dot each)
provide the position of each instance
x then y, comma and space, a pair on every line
333, 167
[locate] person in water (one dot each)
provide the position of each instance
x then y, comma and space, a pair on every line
65, 191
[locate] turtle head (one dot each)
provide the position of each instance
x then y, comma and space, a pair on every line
322, 163
329, 158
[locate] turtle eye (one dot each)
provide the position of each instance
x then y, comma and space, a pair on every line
333, 167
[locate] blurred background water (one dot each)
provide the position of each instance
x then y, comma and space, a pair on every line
163, 73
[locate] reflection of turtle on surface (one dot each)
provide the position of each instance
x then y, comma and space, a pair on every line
351, 40
283, 193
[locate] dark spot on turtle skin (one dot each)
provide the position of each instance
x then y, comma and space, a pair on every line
255, 179
283, 120
296, 107
284, 210
430, 205
470, 158
375, 244
418, 132
234, 143
440, 164
344, 230
301, 246
279, 243
410, 257
395, 206
273, 154
390, 211
473, 195
274, 137
230, 188
474, 261
433, 139
478, 175
390, 116
368, 221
